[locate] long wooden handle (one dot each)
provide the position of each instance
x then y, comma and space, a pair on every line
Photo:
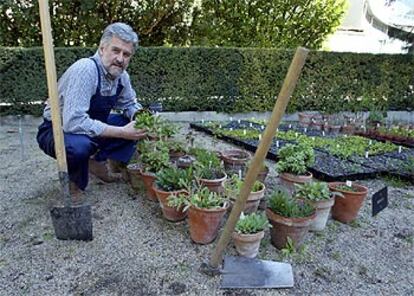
261, 152
53, 94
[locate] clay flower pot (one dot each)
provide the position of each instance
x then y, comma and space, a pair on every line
135, 177
323, 209
283, 227
214, 185
204, 223
235, 159
346, 208
289, 180
252, 202
170, 213
148, 179
247, 245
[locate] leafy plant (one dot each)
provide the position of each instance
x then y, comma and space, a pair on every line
233, 186
345, 187
313, 191
295, 158
154, 156
200, 198
144, 119
207, 164
283, 204
252, 223
172, 178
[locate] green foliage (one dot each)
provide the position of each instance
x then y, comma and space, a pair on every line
207, 165
205, 199
252, 223
172, 178
154, 156
144, 120
283, 204
345, 187
233, 186
80, 23
314, 191
295, 159
262, 23
226, 79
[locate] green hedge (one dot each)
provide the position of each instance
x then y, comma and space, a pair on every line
229, 79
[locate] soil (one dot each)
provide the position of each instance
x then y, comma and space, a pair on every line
135, 251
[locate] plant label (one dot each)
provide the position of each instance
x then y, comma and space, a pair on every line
251, 124
366, 154
290, 126
244, 132
323, 133
277, 130
277, 144
231, 129
296, 135
370, 142
399, 149
240, 174
379, 200
349, 183
313, 138
262, 127
202, 121
219, 125
378, 125
231, 118
238, 121
305, 129
260, 137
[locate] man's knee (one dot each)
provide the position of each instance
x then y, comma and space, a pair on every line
79, 147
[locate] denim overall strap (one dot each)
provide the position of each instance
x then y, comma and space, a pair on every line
101, 106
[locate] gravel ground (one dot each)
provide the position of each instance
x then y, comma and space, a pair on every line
136, 252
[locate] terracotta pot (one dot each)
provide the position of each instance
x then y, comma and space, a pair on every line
214, 185
289, 180
253, 201
263, 174
170, 213
282, 228
305, 119
204, 223
135, 177
346, 208
247, 245
148, 179
323, 209
235, 160
175, 155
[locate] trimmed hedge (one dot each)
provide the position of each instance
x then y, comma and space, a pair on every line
229, 79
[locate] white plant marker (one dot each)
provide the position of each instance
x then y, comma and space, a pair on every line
260, 137
349, 183
313, 139
323, 133
244, 132
305, 129
231, 129
399, 149
240, 174
290, 125
202, 120
378, 125
277, 144
262, 127
219, 125
251, 124
231, 118
296, 135
366, 154
238, 121
277, 130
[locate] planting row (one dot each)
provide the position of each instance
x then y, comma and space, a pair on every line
337, 156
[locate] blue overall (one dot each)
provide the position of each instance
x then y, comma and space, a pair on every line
79, 148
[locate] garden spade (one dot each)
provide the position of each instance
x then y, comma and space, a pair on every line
239, 272
70, 221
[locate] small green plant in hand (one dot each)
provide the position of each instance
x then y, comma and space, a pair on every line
252, 223
144, 119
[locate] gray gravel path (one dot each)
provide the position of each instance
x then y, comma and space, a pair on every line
136, 252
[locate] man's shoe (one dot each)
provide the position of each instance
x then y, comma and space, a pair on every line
76, 193
100, 170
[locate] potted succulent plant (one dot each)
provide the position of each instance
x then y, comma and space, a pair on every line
349, 201
232, 189
293, 160
318, 194
249, 232
206, 209
172, 181
290, 218
208, 169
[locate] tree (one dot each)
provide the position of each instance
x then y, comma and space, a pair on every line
80, 22
264, 23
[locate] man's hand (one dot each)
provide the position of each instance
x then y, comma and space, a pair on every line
127, 131
131, 133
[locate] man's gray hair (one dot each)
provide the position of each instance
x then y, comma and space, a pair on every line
122, 31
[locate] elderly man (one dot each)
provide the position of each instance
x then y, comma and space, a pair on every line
88, 91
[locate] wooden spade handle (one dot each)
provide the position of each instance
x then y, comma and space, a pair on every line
53, 95
261, 152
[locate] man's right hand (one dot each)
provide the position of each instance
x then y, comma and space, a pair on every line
131, 133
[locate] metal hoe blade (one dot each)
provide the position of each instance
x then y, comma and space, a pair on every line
242, 272
72, 223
